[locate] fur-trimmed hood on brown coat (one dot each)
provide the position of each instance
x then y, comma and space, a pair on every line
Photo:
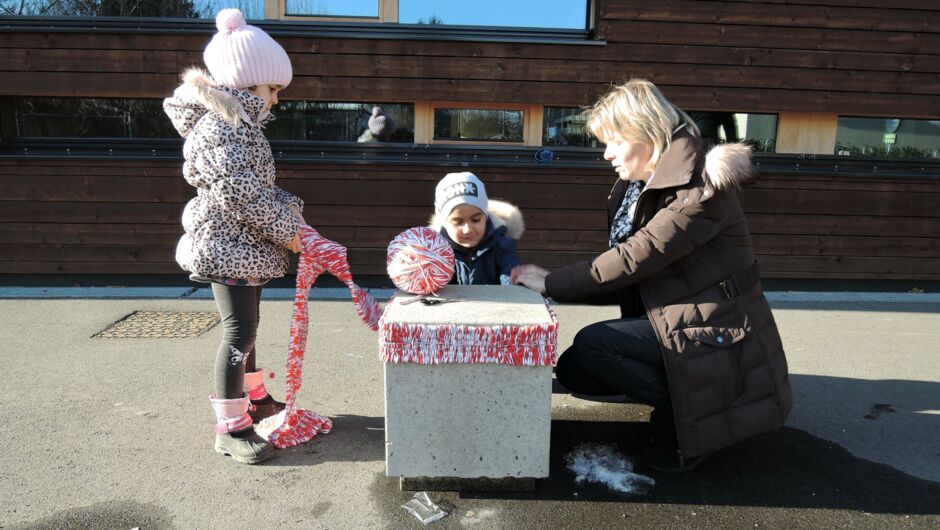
691, 264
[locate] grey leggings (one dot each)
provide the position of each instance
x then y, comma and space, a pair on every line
239, 307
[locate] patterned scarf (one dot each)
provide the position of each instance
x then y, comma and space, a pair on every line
295, 426
622, 226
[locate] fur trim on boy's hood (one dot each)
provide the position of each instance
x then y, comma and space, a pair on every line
500, 212
199, 92
728, 166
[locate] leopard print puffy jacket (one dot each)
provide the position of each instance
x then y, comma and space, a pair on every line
238, 224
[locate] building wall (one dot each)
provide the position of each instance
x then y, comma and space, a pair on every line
808, 220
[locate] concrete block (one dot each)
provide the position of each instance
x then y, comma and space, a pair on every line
461, 408
467, 420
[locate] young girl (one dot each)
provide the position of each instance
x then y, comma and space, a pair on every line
240, 226
482, 232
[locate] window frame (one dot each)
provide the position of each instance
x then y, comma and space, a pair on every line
277, 10
278, 24
388, 13
424, 122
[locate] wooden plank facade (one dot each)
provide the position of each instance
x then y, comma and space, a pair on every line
808, 218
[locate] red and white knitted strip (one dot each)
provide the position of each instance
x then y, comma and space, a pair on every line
295, 426
531, 345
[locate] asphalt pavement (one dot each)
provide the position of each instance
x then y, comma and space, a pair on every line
116, 432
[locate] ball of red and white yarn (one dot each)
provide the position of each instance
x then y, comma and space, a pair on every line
420, 261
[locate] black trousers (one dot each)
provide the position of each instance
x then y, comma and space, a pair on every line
239, 307
621, 356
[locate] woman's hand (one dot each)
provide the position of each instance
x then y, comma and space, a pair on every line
531, 276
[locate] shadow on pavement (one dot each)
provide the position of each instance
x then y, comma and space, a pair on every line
112, 514
353, 439
886, 307
783, 479
789, 468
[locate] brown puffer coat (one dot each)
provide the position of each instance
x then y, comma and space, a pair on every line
692, 265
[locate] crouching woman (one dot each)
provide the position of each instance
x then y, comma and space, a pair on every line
696, 338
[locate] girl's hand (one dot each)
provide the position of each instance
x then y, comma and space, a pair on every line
531, 276
296, 211
294, 246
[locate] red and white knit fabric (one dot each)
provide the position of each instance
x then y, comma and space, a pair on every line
516, 345
420, 261
295, 426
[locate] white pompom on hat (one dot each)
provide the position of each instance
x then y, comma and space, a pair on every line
241, 56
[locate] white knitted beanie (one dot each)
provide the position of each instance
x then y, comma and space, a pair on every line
456, 189
240, 56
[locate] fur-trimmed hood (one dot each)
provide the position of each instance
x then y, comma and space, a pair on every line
729, 166
198, 94
501, 213
726, 167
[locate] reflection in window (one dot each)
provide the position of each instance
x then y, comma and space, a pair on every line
479, 125
757, 130
40, 117
342, 122
556, 14
566, 126
333, 8
891, 137
252, 9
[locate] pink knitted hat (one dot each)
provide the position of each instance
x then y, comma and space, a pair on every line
240, 56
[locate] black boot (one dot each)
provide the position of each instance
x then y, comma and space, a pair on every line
235, 435
664, 455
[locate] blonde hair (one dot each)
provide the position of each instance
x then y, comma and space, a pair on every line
638, 112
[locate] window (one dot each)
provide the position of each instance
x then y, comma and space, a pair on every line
757, 130
554, 14
42, 117
332, 8
565, 126
342, 122
96, 118
558, 15
479, 125
888, 137
252, 9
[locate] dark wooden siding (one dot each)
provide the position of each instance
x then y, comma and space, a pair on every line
875, 58
94, 217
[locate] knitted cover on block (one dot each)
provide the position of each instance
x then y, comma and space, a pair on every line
295, 426
517, 345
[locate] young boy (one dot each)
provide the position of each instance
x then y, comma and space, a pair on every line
482, 232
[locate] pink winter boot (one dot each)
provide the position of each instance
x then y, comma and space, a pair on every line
263, 405
235, 435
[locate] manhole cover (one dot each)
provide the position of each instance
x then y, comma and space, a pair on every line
160, 325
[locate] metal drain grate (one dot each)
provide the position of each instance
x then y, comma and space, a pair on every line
160, 325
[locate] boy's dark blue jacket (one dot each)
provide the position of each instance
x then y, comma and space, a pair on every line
491, 262
488, 264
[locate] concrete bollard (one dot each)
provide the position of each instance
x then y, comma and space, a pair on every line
468, 384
